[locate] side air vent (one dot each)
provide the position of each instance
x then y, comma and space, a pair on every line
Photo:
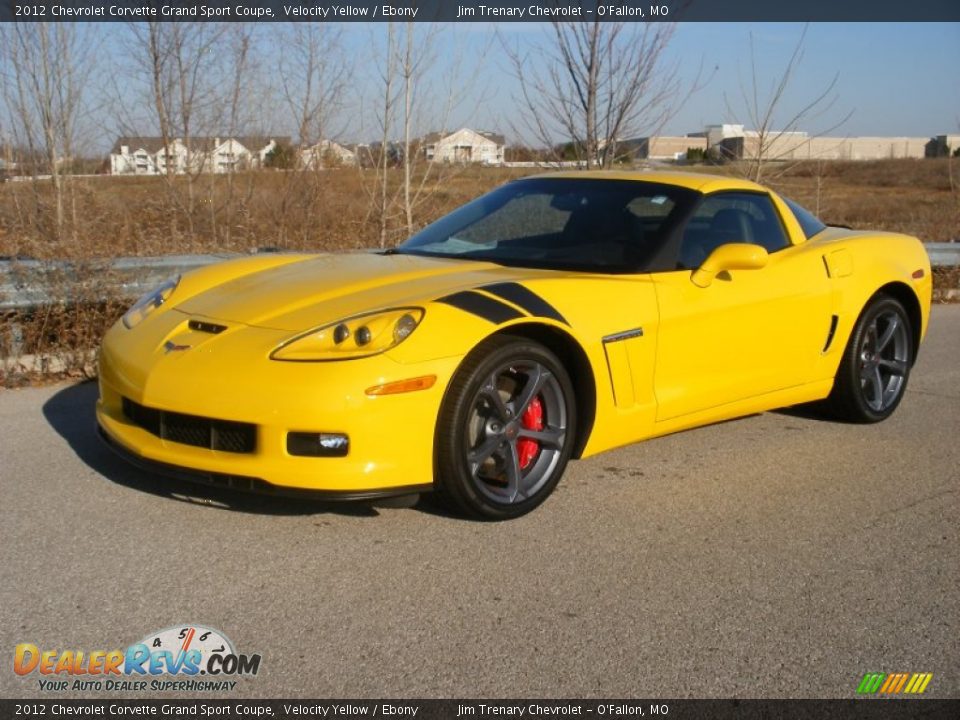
833, 331
207, 327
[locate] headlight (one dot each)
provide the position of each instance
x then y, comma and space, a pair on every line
150, 302
356, 337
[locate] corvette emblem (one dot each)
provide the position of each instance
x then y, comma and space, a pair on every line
169, 346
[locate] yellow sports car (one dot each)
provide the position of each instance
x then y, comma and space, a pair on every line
553, 318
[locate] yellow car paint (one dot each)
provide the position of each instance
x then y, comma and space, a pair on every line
659, 353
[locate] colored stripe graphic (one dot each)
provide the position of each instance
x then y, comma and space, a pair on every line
899, 680
482, 306
525, 298
871, 682
925, 679
894, 683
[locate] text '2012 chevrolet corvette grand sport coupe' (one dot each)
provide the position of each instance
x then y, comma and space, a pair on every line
555, 317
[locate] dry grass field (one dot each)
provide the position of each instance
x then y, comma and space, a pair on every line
327, 210
105, 217
110, 216
917, 197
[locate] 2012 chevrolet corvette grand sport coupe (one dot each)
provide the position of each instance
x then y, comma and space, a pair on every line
553, 318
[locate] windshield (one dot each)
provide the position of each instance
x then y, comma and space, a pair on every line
569, 223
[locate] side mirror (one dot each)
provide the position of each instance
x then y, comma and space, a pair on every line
732, 256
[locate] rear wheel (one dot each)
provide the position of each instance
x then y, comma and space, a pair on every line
876, 364
506, 429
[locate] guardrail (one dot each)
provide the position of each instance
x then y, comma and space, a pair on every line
28, 283
943, 254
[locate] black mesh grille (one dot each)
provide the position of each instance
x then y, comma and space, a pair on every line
234, 437
224, 435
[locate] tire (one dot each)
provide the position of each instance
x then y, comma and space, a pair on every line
506, 429
876, 364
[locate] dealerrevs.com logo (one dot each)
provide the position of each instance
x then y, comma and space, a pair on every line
183, 658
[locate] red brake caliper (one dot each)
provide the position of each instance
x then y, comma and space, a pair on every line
532, 419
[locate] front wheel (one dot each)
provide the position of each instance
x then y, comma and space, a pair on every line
876, 364
506, 429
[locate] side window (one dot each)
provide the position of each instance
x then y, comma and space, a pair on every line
729, 218
809, 223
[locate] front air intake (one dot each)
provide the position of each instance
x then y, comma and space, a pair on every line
210, 433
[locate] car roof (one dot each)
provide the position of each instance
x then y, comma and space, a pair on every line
700, 182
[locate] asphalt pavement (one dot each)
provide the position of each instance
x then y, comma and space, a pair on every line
775, 556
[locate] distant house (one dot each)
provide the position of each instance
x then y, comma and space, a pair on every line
464, 146
136, 156
149, 155
327, 153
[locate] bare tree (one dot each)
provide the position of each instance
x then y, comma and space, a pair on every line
231, 113
763, 108
180, 65
386, 110
45, 67
416, 93
951, 154
590, 85
314, 73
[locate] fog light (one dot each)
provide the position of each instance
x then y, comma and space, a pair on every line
314, 444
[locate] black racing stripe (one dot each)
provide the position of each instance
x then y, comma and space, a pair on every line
482, 306
525, 298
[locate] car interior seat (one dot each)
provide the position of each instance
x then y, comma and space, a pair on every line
728, 225
609, 231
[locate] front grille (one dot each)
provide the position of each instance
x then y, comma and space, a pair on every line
224, 435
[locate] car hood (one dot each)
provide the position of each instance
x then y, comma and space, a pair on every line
327, 288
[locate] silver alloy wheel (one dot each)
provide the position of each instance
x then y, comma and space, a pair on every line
496, 426
883, 355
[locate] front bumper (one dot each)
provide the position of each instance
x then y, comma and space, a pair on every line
391, 437
253, 485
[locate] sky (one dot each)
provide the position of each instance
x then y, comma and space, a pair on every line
893, 79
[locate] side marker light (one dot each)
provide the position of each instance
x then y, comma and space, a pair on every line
402, 386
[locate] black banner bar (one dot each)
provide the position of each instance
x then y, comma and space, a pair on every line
480, 11
877, 709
